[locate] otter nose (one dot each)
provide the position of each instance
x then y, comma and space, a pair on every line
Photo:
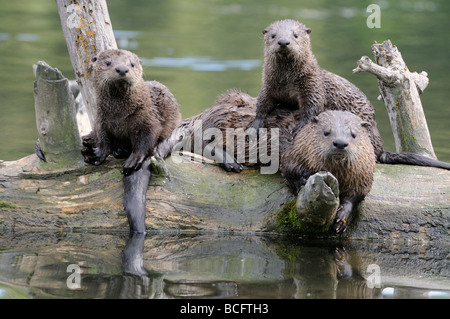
340, 144
283, 43
122, 70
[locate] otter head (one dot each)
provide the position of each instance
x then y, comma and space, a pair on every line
340, 135
116, 67
287, 38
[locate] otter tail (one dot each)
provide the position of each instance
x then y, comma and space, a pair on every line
411, 159
135, 188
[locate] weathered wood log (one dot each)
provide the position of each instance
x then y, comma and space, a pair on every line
88, 30
59, 140
318, 201
406, 203
400, 91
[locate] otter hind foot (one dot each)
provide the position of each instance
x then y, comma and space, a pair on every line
252, 131
256, 124
232, 167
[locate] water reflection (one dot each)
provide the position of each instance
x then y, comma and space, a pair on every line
201, 266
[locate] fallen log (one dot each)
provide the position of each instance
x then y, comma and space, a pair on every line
406, 203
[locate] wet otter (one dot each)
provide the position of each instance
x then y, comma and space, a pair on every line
334, 141
227, 118
337, 142
132, 116
292, 78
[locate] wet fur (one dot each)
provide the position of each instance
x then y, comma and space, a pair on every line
292, 78
132, 117
311, 151
234, 110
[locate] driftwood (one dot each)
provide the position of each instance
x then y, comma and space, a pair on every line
59, 139
400, 91
88, 30
406, 203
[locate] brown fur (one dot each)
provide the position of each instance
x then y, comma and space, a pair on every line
337, 142
293, 78
235, 110
132, 115
301, 154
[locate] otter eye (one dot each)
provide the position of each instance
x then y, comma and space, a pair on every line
295, 35
353, 135
108, 63
132, 65
273, 35
326, 133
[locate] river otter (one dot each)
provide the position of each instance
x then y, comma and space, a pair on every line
337, 142
293, 78
334, 141
226, 120
132, 115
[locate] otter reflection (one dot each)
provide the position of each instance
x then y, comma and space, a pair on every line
217, 266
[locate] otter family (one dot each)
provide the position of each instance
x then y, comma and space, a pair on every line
314, 119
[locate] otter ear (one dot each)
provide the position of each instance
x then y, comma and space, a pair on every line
94, 59
265, 31
140, 61
308, 30
365, 124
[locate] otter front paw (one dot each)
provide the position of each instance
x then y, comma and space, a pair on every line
133, 163
343, 217
92, 154
99, 157
88, 147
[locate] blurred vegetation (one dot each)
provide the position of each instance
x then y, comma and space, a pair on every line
222, 30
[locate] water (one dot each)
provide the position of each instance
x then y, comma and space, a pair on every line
199, 49
160, 266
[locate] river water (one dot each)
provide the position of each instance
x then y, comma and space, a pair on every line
164, 265
199, 49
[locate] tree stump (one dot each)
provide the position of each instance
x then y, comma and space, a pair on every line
88, 30
400, 91
59, 140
